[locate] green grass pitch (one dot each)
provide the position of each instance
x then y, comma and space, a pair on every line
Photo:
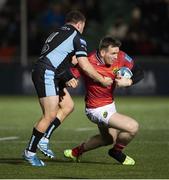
150, 148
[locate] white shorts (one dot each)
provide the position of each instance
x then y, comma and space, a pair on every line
101, 115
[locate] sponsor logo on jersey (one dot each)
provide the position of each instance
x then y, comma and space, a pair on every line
115, 69
105, 114
128, 58
51, 37
83, 42
65, 28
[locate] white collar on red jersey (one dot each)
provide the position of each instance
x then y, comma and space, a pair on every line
99, 58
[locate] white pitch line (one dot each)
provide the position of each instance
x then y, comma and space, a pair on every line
9, 138
85, 129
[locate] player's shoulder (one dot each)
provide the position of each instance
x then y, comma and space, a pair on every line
82, 41
79, 38
92, 53
92, 56
65, 30
67, 27
70, 30
124, 56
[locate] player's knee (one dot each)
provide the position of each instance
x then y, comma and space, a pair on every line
69, 108
134, 127
51, 116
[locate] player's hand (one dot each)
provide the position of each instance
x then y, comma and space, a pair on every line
107, 81
123, 82
72, 83
74, 60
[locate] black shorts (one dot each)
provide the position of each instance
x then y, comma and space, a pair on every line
45, 82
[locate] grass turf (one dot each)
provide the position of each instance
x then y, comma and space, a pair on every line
149, 148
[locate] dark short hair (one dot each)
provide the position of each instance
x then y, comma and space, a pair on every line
74, 16
107, 41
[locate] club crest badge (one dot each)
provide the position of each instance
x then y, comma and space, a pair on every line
105, 114
115, 69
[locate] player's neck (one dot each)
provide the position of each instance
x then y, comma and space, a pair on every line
74, 25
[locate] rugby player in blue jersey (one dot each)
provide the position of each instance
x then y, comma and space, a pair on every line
51, 71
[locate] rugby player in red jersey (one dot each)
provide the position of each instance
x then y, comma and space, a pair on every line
114, 128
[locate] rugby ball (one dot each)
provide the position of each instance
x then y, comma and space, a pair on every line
125, 72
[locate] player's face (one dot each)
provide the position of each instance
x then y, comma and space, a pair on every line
110, 55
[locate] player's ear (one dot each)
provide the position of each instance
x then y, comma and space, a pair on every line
79, 25
102, 52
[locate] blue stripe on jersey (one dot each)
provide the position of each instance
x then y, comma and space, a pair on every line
128, 58
81, 52
49, 83
57, 55
83, 42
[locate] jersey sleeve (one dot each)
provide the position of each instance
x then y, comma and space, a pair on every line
137, 71
128, 61
80, 46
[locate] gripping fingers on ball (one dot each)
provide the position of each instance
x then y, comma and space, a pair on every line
123, 82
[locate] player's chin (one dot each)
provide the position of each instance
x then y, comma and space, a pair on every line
109, 64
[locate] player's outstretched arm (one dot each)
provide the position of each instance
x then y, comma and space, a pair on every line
91, 72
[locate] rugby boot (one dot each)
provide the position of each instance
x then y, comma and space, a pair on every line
121, 157
43, 146
68, 154
33, 160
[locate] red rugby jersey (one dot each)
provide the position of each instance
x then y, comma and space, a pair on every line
96, 94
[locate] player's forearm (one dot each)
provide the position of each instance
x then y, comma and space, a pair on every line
90, 71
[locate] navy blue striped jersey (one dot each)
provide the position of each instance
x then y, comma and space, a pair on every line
61, 45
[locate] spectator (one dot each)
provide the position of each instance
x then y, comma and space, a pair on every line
119, 28
53, 16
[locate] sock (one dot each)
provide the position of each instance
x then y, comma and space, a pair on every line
35, 138
118, 147
116, 153
51, 128
79, 150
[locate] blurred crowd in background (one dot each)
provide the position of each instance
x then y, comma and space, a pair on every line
141, 25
